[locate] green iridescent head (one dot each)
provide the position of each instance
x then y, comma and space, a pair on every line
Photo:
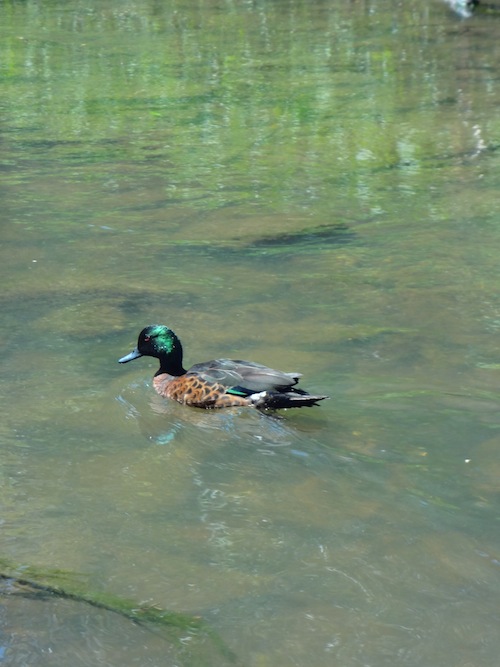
159, 341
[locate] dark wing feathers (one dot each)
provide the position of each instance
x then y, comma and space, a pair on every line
244, 375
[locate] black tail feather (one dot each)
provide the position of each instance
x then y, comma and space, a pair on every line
274, 400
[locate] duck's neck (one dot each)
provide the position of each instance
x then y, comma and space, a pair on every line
171, 364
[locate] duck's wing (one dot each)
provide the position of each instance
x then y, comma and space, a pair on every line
244, 376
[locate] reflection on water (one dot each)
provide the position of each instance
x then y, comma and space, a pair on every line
309, 185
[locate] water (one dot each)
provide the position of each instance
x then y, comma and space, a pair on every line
308, 185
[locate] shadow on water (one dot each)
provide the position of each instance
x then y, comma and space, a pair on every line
164, 421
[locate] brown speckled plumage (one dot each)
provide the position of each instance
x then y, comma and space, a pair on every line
192, 390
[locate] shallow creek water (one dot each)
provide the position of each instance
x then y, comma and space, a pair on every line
311, 185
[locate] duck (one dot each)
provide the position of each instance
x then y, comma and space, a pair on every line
220, 383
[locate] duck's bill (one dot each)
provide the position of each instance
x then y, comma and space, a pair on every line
135, 354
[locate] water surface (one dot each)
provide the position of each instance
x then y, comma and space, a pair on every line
311, 185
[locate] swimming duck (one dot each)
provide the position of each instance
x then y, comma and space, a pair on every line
221, 383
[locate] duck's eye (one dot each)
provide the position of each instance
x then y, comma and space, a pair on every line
147, 339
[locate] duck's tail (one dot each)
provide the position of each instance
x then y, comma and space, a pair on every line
277, 400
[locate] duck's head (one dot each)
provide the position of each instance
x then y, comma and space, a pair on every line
158, 341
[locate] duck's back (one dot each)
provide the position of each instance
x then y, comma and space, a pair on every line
247, 374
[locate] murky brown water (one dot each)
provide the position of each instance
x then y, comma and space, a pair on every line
308, 185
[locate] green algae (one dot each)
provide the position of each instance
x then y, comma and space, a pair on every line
37, 582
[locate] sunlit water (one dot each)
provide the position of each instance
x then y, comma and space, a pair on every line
307, 185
